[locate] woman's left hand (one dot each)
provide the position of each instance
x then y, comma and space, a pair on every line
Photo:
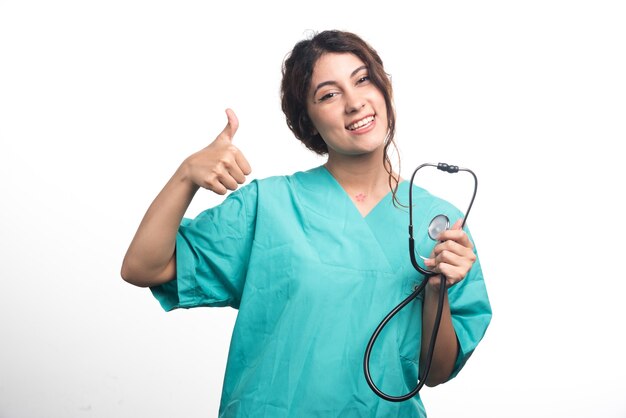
453, 256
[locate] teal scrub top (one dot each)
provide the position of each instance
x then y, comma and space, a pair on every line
312, 279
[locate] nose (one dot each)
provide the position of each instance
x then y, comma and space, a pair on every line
354, 102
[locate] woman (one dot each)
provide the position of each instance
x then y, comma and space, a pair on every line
314, 261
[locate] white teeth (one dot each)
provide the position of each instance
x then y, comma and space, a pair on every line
360, 123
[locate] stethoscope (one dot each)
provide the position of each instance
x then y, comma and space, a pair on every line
437, 225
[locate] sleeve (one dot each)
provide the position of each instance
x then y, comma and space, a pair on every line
469, 301
212, 255
471, 313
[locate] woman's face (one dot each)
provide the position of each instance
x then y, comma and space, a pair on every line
346, 108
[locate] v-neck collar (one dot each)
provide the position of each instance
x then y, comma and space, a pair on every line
325, 204
335, 182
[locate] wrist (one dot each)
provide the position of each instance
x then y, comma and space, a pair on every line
183, 177
433, 285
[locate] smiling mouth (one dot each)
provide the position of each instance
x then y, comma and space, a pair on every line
361, 123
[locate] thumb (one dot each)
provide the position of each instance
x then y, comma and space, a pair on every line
231, 126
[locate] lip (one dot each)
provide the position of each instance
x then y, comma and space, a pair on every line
364, 127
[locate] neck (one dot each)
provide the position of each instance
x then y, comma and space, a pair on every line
356, 170
363, 177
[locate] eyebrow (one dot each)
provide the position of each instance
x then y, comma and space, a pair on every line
327, 83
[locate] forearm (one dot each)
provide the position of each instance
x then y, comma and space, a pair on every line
150, 259
446, 347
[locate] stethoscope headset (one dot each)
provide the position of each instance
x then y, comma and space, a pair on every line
437, 225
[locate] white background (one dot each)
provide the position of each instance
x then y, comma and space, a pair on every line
101, 100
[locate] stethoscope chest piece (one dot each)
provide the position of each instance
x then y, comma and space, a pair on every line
439, 224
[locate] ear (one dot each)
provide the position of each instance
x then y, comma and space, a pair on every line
312, 128
307, 125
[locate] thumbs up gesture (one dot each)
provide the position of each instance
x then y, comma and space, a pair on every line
220, 166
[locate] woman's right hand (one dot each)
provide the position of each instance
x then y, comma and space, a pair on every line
221, 166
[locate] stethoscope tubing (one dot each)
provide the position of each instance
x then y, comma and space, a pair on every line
418, 289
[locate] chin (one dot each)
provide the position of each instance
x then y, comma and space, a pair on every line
374, 150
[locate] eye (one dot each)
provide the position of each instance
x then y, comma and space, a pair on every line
363, 79
328, 96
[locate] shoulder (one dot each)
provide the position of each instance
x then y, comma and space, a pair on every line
425, 198
278, 183
274, 189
